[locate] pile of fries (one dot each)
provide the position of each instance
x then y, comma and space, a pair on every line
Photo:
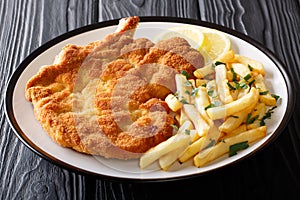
220, 111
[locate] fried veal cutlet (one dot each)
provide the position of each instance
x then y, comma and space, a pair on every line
106, 98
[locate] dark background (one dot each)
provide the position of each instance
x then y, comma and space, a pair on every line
273, 173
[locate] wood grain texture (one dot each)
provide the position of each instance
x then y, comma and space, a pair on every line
270, 174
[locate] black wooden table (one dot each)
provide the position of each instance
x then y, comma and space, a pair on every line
273, 173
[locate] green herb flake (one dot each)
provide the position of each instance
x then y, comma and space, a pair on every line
187, 131
219, 63
184, 101
251, 119
195, 91
213, 66
234, 77
176, 94
247, 77
275, 96
267, 115
250, 68
234, 116
188, 83
230, 86
175, 127
243, 86
210, 93
233, 149
210, 144
264, 92
251, 82
187, 92
209, 106
183, 72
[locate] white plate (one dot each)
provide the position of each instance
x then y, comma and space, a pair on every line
21, 116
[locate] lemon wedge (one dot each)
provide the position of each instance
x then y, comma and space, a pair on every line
193, 35
215, 44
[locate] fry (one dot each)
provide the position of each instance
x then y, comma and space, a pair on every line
241, 69
199, 123
222, 147
181, 88
173, 103
264, 96
204, 71
227, 57
192, 150
168, 159
259, 110
174, 142
235, 120
238, 130
204, 142
201, 102
255, 65
222, 87
214, 98
233, 107
201, 82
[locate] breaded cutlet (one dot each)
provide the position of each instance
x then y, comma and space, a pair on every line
107, 98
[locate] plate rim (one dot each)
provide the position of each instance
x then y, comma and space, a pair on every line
10, 86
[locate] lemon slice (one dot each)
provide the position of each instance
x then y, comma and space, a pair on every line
215, 43
193, 35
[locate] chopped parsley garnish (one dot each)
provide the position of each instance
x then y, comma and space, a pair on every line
234, 116
188, 83
213, 66
230, 86
250, 68
210, 144
233, 149
176, 94
187, 92
275, 96
242, 86
175, 127
184, 101
247, 77
187, 131
251, 119
251, 82
209, 106
264, 92
234, 78
195, 91
237, 86
267, 115
219, 63
210, 93
183, 72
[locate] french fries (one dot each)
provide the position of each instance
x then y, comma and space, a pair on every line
223, 147
224, 106
226, 110
174, 142
222, 86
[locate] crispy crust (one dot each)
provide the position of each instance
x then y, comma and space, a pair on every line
105, 98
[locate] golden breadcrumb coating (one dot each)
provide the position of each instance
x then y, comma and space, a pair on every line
106, 98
